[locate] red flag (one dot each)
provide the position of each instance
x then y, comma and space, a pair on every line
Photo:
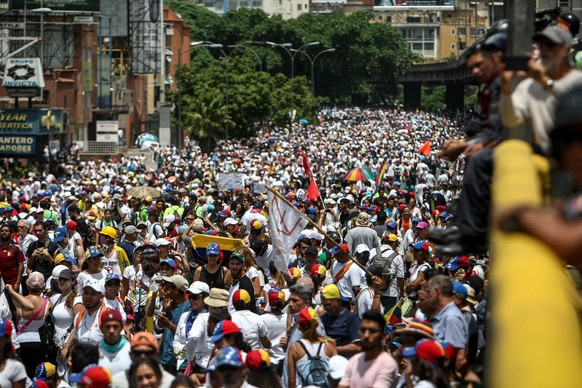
425, 148
306, 164
312, 191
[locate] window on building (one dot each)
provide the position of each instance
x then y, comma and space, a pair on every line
453, 47
413, 19
462, 31
462, 45
298, 7
452, 31
45, 96
429, 46
564, 4
417, 47
388, 19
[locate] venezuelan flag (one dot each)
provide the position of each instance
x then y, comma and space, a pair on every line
380, 176
227, 245
394, 315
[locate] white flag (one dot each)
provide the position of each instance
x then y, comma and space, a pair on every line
285, 226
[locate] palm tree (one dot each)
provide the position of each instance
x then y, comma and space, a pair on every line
206, 118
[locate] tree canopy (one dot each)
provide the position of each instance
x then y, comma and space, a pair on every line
364, 68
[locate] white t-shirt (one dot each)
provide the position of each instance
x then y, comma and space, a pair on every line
111, 263
277, 328
352, 278
13, 371
115, 304
397, 268
253, 327
115, 362
136, 294
364, 301
63, 317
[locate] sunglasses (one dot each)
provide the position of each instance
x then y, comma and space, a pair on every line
140, 353
194, 297
113, 284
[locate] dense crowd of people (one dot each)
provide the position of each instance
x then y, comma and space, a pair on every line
118, 275
100, 267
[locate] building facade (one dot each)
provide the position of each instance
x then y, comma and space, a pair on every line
106, 69
439, 29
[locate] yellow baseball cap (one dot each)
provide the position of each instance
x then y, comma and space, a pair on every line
330, 292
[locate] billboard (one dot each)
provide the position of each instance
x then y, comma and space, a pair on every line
146, 22
17, 145
31, 121
107, 131
23, 73
56, 5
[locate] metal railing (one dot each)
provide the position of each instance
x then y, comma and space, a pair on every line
99, 148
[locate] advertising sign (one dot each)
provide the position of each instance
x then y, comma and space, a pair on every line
107, 131
23, 73
31, 121
56, 5
17, 145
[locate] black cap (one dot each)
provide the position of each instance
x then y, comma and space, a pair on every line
67, 274
311, 250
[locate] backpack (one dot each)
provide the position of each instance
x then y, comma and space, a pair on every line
314, 372
386, 263
154, 229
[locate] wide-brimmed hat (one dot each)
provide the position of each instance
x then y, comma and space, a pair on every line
417, 327
217, 298
363, 219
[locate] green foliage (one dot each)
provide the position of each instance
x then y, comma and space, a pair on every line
471, 96
364, 68
433, 98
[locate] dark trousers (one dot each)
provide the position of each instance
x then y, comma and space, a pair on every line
475, 200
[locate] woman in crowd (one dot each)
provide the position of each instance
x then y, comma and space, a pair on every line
213, 272
251, 270
29, 323
311, 344
146, 373
65, 307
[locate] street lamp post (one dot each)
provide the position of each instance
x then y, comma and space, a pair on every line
245, 47
292, 53
193, 46
312, 62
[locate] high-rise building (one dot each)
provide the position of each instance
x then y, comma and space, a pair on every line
438, 29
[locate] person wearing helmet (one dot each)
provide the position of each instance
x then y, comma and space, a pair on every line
571, 22
114, 257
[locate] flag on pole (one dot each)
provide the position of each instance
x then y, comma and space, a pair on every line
380, 176
425, 148
306, 166
394, 315
313, 191
285, 226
